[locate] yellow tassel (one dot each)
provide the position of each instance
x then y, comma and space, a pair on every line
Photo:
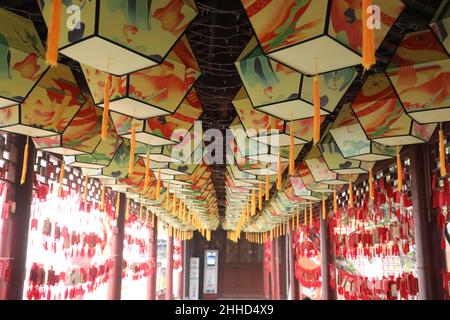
61, 179
102, 203
86, 181
279, 177
368, 39
298, 218
127, 209
310, 214
316, 101
167, 197
180, 208
105, 115
399, 171
267, 188
334, 201
291, 152
53, 34
442, 153
305, 217
253, 202
260, 196
350, 191
24, 163
158, 184
132, 149
174, 204
147, 170
324, 212
371, 192
117, 205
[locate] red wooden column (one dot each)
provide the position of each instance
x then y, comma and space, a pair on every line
180, 277
169, 271
14, 239
115, 279
328, 258
430, 258
275, 269
290, 258
266, 281
151, 280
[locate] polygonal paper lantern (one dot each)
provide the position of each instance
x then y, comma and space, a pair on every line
82, 134
165, 129
336, 161
352, 141
240, 178
22, 58
300, 190
48, 108
419, 72
145, 94
119, 36
297, 33
285, 93
382, 116
268, 129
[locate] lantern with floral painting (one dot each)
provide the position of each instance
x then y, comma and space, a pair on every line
297, 33
282, 92
119, 36
145, 94
382, 116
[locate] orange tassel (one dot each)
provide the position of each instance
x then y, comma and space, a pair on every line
324, 213
260, 196
310, 214
105, 116
291, 152
167, 197
158, 184
53, 34
334, 202
147, 170
102, 203
61, 179
174, 204
117, 205
316, 101
132, 149
305, 216
371, 192
279, 177
267, 188
368, 39
127, 209
399, 171
24, 163
442, 153
86, 180
350, 191
153, 220
253, 202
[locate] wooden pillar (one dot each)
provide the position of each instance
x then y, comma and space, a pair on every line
186, 267
180, 277
430, 258
291, 275
266, 281
328, 258
275, 269
15, 239
169, 270
115, 279
151, 281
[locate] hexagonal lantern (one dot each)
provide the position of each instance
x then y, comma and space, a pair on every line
352, 141
282, 92
382, 116
82, 134
119, 36
308, 179
321, 29
22, 58
165, 129
336, 162
268, 129
418, 72
145, 94
320, 171
48, 108
300, 190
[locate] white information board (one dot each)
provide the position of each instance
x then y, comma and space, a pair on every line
194, 272
211, 271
